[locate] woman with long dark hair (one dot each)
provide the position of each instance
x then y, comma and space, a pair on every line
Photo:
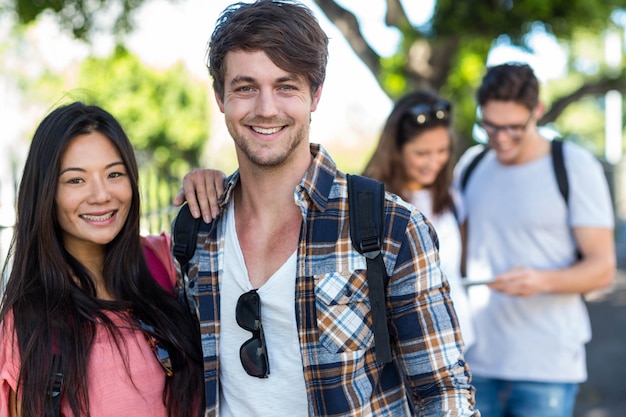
414, 158
86, 330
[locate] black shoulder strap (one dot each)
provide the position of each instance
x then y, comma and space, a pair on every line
470, 167
56, 385
184, 234
560, 172
366, 202
558, 164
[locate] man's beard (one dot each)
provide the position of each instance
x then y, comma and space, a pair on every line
278, 157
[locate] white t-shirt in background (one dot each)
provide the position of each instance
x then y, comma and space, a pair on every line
447, 227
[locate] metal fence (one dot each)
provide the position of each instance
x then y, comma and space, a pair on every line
158, 189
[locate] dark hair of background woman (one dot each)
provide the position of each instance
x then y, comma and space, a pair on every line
53, 297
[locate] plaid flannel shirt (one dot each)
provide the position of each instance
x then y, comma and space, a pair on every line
428, 376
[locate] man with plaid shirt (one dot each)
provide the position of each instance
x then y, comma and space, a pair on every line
281, 293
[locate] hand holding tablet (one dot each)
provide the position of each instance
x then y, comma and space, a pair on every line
469, 281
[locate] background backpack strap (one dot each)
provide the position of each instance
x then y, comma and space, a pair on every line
560, 172
366, 202
470, 167
558, 163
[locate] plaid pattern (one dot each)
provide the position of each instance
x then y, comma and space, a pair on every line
333, 312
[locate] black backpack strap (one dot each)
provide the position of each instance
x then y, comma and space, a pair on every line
560, 172
366, 202
56, 385
558, 163
470, 167
184, 233
185, 236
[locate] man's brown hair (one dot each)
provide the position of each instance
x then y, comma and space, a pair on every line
510, 82
286, 31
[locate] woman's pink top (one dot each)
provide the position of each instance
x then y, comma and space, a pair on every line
111, 390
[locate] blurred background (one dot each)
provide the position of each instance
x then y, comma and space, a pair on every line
144, 61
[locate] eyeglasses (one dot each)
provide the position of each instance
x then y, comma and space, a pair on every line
512, 131
424, 113
159, 350
253, 353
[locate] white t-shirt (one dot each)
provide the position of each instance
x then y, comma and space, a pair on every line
283, 393
517, 217
447, 228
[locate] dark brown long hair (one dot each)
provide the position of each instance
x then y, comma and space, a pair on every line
386, 163
52, 296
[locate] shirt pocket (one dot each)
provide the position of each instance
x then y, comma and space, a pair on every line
343, 311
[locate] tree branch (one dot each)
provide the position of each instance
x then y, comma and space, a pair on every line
348, 25
396, 16
597, 88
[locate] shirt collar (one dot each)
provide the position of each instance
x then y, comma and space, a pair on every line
316, 183
319, 178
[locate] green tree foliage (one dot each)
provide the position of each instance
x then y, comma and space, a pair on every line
164, 113
78, 16
449, 52
446, 54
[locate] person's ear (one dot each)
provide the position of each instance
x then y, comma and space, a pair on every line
316, 98
219, 100
539, 110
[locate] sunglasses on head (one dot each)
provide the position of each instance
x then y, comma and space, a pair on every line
157, 347
253, 353
422, 114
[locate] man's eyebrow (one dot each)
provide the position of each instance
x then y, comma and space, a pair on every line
288, 78
248, 79
242, 79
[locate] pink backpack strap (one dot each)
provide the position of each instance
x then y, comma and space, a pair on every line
156, 249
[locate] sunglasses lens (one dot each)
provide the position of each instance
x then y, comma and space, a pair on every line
420, 113
253, 352
423, 113
248, 311
421, 118
254, 358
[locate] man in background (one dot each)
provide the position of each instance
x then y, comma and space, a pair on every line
543, 252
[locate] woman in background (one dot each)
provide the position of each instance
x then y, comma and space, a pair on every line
414, 159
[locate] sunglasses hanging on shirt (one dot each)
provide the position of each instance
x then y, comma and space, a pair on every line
253, 353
